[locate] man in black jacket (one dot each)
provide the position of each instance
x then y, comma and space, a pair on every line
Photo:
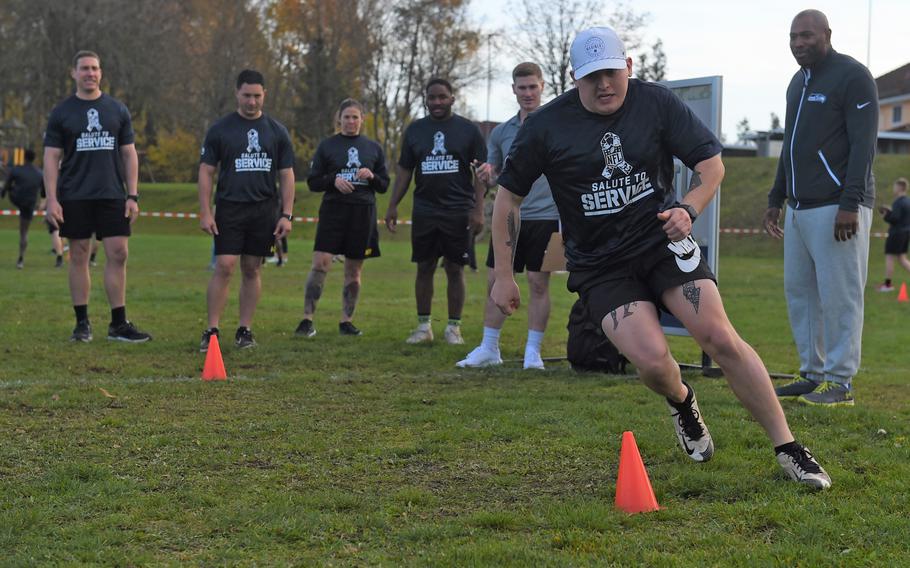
825, 175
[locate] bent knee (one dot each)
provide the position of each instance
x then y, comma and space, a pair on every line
722, 343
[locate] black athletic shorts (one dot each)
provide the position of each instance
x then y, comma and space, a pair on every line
897, 243
103, 217
533, 238
245, 228
348, 229
644, 279
26, 208
441, 234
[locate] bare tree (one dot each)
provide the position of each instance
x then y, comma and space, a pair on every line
549, 26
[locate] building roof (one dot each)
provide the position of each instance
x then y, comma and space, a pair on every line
894, 83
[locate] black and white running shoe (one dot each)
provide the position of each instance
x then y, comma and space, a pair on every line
243, 339
82, 332
127, 332
690, 428
800, 465
207, 337
348, 328
305, 329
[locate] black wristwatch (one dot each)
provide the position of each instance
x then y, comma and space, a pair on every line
132, 197
693, 214
289, 217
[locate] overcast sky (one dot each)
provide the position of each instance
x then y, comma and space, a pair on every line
744, 41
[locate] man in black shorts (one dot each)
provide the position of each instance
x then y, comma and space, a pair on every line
898, 218
540, 220
23, 185
250, 151
607, 148
444, 148
89, 157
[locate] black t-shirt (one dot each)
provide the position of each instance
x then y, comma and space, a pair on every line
610, 175
341, 156
24, 183
899, 217
250, 153
90, 133
440, 152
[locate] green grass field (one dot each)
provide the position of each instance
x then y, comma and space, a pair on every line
368, 451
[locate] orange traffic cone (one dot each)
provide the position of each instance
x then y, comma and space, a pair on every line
633, 488
213, 370
902, 295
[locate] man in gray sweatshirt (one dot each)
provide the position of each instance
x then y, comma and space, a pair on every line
825, 176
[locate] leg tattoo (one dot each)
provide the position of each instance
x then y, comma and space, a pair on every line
349, 297
692, 293
314, 285
626, 312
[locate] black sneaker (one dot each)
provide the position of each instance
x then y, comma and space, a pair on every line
59, 262
243, 339
800, 465
347, 328
305, 328
797, 387
127, 332
20, 263
690, 428
206, 337
82, 332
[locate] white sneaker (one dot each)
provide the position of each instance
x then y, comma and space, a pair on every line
690, 428
453, 335
480, 357
533, 360
423, 334
801, 466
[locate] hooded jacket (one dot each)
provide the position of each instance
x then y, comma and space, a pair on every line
829, 137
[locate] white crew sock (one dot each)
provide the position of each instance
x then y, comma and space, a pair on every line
490, 339
535, 338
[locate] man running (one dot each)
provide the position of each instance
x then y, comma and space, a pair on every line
448, 202
607, 148
250, 151
89, 159
23, 185
540, 220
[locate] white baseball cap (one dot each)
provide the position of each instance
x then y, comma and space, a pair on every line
595, 49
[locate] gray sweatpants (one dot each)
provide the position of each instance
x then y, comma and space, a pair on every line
824, 281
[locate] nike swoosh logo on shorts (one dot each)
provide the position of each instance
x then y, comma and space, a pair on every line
864, 105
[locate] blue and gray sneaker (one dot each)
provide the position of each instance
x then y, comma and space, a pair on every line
829, 393
795, 388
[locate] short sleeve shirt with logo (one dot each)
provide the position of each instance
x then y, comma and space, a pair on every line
539, 204
342, 156
25, 183
90, 133
610, 175
440, 152
248, 154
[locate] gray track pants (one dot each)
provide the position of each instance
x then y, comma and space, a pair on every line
824, 281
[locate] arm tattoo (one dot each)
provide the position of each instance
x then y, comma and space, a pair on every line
349, 297
314, 285
695, 181
626, 312
512, 228
692, 293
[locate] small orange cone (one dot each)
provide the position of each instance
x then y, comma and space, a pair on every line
902, 295
213, 370
633, 488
